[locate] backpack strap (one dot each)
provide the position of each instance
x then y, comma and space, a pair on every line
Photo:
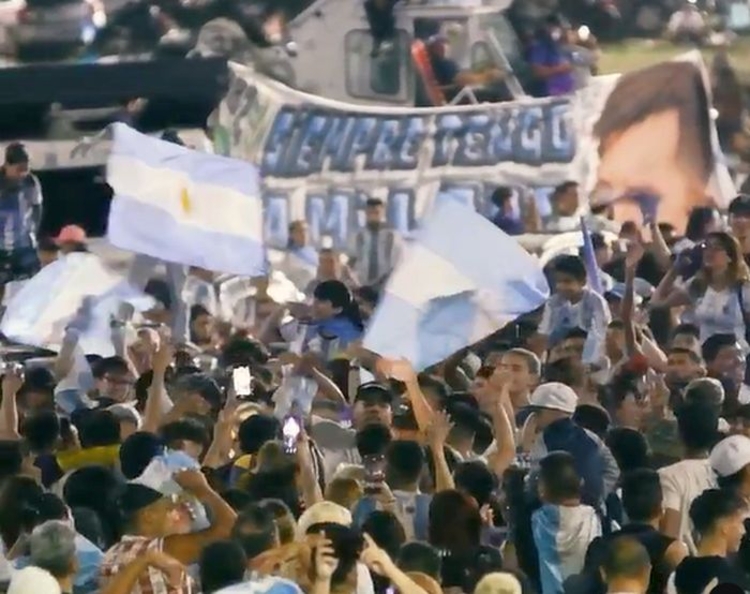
743, 309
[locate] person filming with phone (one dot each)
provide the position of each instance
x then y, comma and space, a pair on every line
719, 293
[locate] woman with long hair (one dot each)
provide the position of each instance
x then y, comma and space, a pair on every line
719, 292
336, 319
465, 560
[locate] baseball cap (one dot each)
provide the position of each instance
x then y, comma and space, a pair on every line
554, 396
71, 234
33, 579
740, 205
323, 512
374, 392
135, 497
730, 455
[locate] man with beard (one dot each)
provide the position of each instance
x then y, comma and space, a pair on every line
376, 249
373, 405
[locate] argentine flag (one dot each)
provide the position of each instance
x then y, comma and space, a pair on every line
44, 307
461, 280
184, 206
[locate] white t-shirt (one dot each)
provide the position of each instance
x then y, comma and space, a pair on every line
681, 483
720, 312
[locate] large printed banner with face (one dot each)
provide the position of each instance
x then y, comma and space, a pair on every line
320, 160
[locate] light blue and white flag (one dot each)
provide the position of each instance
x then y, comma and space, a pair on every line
461, 280
184, 206
562, 535
40, 312
589, 260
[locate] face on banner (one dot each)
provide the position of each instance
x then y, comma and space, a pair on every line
320, 160
655, 137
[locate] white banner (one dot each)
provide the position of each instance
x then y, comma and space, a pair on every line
320, 159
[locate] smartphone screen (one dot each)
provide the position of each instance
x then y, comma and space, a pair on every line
290, 431
374, 466
242, 381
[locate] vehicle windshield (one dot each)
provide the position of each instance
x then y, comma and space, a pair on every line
499, 27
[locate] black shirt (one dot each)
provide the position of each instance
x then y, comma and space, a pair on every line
652, 540
694, 574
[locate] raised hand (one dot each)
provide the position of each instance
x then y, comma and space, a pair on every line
324, 559
634, 254
164, 354
375, 558
438, 430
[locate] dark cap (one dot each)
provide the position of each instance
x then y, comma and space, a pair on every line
173, 137
374, 202
598, 241
740, 205
137, 451
135, 497
374, 392
203, 385
15, 153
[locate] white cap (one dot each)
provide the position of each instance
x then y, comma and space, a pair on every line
323, 511
555, 396
33, 579
730, 455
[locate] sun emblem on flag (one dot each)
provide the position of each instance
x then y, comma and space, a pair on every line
185, 201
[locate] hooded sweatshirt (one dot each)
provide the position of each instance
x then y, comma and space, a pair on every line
562, 535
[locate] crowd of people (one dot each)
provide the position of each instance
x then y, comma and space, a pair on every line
600, 444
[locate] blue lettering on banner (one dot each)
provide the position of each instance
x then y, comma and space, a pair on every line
332, 215
344, 154
338, 213
276, 219
307, 140
401, 210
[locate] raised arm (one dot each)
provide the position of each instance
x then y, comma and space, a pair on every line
186, 548
437, 434
633, 257
505, 441
158, 400
11, 384
666, 294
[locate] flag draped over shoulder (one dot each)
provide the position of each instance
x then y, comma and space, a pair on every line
184, 206
461, 280
39, 313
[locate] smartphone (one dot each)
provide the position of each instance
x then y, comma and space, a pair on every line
242, 381
12, 367
374, 466
290, 431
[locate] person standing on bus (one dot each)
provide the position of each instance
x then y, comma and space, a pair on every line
20, 216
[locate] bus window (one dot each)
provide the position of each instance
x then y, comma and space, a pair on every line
382, 77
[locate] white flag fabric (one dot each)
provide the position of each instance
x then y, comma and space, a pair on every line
461, 280
185, 206
46, 304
